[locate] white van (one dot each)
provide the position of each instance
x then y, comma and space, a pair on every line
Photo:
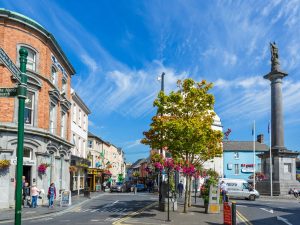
239, 188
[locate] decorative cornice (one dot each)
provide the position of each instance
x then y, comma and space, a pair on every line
36, 26
65, 103
55, 95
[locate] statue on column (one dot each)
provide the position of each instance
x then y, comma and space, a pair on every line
274, 57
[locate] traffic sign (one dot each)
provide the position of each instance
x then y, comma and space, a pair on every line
8, 92
10, 65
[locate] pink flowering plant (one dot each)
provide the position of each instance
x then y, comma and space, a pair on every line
169, 164
43, 167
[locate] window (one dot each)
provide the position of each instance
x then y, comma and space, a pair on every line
52, 118
79, 118
31, 59
236, 169
53, 75
79, 146
84, 121
29, 106
63, 125
90, 144
287, 167
64, 86
83, 148
27, 153
236, 155
74, 112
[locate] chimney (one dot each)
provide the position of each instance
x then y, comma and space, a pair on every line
260, 138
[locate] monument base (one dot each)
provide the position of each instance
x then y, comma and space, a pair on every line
279, 188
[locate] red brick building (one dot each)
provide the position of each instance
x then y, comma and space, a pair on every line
47, 107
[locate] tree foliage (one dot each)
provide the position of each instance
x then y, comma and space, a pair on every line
183, 124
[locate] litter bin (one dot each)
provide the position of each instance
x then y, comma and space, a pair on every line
87, 192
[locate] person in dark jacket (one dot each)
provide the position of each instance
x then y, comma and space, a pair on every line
51, 195
180, 189
26, 195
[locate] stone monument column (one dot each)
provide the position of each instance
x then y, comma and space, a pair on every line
276, 76
283, 161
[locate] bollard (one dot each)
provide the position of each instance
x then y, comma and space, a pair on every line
233, 211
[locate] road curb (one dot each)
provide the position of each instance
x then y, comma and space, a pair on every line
47, 214
133, 214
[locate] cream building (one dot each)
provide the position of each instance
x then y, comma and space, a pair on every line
79, 134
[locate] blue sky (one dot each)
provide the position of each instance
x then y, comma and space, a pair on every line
118, 49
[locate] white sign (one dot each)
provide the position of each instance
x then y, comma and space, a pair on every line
26, 162
247, 170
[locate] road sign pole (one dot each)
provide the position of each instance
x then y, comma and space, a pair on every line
22, 91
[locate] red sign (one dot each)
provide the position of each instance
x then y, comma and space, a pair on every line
227, 213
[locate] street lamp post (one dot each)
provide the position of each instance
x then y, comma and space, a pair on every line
22, 92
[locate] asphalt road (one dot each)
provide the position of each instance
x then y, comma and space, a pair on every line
270, 212
103, 210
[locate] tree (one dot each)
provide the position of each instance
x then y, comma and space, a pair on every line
183, 125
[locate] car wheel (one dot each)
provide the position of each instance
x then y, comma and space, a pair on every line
252, 197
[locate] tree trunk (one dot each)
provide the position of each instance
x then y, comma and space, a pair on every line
186, 195
190, 192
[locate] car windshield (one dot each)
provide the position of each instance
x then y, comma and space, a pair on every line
119, 183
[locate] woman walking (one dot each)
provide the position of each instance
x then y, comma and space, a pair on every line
51, 195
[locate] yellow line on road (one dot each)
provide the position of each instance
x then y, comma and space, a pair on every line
243, 218
133, 214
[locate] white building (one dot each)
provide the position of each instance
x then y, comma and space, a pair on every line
79, 134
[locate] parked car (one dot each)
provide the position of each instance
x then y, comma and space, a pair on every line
118, 187
128, 186
239, 188
140, 187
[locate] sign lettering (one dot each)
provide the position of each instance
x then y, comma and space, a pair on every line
10, 65
8, 92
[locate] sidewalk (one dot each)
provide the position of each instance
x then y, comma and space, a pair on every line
152, 216
43, 210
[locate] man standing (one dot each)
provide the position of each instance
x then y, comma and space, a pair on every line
223, 188
180, 189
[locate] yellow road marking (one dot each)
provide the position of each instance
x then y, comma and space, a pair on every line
243, 218
133, 214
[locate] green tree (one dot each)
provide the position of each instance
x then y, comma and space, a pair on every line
183, 125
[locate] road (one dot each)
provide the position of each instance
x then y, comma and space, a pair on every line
266, 212
103, 210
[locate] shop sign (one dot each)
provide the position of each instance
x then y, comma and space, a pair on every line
65, 198
26, 162
247, 168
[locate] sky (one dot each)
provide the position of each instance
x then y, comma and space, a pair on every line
119, 48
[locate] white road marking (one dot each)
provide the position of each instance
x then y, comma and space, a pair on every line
94, 220
284, 220
267, 210
116, 202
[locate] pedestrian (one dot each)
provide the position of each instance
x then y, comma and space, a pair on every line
26, 195
104, 186
223, 188
34, 195
51, 195
180, 189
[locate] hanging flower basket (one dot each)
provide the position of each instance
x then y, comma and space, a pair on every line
4, 164
42, 168
72, 169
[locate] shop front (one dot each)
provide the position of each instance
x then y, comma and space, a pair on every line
78, 174
95, 179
